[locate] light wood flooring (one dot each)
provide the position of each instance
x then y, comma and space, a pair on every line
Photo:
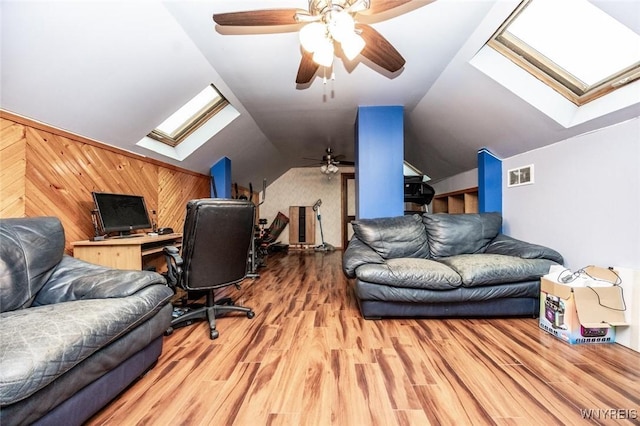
309, 358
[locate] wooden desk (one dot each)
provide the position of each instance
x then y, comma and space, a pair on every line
127, 253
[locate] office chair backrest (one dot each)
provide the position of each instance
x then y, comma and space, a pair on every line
216, 242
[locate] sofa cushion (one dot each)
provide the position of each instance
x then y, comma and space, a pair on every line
41, 343
408, 296
485, 269
74, 279
411, 273
453, 234
503, 244
64, 401
394, 237
30, 249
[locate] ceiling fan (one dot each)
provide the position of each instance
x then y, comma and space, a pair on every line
329, 162
326, 25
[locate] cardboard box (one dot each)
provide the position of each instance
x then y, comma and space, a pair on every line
585, 314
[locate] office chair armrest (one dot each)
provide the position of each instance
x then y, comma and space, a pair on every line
174, 265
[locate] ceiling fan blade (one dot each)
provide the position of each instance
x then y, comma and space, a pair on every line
346, 163
307, 68
379, 6
379, 50
259, 17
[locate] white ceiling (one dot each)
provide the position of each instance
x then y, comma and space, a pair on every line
113, 70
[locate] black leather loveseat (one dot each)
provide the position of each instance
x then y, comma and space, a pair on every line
72, 334
444, 265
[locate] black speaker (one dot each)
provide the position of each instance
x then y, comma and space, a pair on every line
302, 211
301, 225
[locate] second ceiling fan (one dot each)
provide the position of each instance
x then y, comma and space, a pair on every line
326, 25
330, 161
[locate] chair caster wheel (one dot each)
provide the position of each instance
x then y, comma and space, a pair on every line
168, 331
251, 314
214, 334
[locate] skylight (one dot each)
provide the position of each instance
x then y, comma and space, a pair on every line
189, 117
572, 46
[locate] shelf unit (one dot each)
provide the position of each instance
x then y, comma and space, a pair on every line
463, 201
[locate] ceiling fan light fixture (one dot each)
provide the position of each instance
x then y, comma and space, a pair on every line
341, 25
328, 169
352, 46
312, 36
323, 55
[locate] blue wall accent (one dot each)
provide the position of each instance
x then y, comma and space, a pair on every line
489, 182
221, 173
379, 159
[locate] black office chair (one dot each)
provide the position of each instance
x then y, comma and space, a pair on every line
215, 248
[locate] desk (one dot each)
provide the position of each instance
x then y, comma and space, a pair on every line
127, 253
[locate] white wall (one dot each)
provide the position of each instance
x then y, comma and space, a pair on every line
303, 186
585, 203
585, 199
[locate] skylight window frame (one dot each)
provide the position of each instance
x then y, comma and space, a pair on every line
193, 123
550, 73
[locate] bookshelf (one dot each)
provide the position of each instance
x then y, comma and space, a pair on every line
463, 201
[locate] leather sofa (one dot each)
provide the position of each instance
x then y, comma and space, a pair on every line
444, 265
74, 334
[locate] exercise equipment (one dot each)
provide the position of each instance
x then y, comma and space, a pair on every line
256, 259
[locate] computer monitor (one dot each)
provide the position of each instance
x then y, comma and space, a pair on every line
121, 213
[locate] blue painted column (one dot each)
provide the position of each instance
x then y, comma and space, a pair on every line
221, 178
489, 182
379, 159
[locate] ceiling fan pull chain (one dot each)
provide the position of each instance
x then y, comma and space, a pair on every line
324, 76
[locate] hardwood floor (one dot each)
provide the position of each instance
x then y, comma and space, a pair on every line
309, 358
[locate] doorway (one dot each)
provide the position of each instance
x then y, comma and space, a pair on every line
348, 195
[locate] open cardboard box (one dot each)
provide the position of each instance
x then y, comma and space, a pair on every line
584, 314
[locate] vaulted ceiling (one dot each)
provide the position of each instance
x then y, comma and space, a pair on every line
113, 70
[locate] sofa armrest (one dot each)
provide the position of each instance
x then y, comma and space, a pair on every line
509, 246
356, 254
74, 279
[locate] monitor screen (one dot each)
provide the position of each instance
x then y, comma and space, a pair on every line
120, 212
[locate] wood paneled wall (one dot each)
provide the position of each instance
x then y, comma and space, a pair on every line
49, 172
